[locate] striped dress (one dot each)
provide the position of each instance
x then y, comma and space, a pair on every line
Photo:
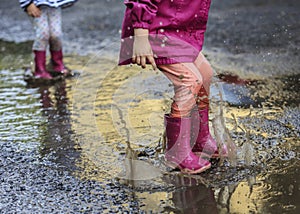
49, 3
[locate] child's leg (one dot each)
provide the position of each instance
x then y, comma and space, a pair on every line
41, 28
201, 137
55, 29
206, 71
187, 82
55, 41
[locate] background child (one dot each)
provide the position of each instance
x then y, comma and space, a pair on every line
169, 35
48, 31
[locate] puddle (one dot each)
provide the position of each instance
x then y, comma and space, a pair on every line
107, 126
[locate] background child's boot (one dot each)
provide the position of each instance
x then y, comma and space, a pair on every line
58, 67
201, 137
40, 65
178, 150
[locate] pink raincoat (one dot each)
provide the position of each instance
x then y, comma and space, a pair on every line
176, 28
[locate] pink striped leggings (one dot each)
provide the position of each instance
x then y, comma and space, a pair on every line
191, 83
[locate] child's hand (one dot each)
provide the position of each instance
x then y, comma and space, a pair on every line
33, 10
142, 50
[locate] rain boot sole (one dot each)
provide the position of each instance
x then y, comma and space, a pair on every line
186, 170
213, 156
33, 80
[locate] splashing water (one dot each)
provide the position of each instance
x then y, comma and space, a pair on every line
135, 170
222, 133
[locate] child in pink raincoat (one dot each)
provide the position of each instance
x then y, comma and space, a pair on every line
169, 35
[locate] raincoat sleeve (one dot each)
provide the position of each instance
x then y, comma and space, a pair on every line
25, 3
142, 12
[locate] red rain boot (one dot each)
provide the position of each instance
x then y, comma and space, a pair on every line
58, 66
178, 152
201, 137
40, 65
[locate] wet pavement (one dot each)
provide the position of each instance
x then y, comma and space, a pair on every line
94, 143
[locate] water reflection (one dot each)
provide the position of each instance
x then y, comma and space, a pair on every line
190, 196
57, 135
